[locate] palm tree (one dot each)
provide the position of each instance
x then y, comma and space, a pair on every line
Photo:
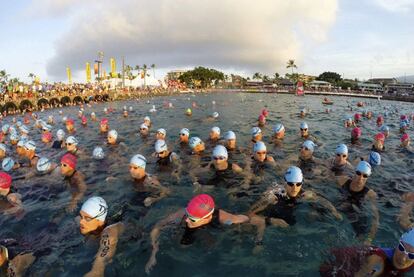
291, 64
3, 76
153, 69
265, 78
257, 75
144, 69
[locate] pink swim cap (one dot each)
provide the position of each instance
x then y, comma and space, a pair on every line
84, 119
380, 136
265, 112
70, 121
5, 180
200, 206
262, 117
47, 136
356, 132
104, 121
70, 160
357, 116
405, 137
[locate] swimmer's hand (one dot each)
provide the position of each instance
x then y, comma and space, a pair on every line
197, 186
149, 201
20, 264
279, 222
110, 179
153, 260
337, 215
72, 207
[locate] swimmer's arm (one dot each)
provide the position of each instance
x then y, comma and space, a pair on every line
78, 194
373, 266
199, 170
19, 264
405, 216
312, 196
172, 219
107, 248
236, 168
266, 200
372, 197
341, 180
229, 219
271, 160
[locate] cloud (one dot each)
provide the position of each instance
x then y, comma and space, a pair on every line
404, 6
244, 35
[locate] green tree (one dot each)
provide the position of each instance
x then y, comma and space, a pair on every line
153, 69
265, 78
291, 64
331, 77
204, 76
257, 76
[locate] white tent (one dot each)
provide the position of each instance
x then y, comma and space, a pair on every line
138, 82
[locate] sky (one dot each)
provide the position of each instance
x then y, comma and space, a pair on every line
356, 38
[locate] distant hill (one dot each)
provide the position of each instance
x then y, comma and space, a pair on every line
408, 79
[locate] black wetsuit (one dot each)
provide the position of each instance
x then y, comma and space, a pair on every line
222, 178
57, 144
307, 167
203, 232
284, 208
351, 206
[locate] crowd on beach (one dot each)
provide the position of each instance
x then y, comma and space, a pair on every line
21, 162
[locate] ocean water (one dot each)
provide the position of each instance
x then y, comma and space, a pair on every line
298, 250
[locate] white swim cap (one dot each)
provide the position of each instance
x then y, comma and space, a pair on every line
93, 114
98, 153
143, 126
278, 128
147, 118
215, 114
161, 146
294, 175
185, 131
43, 164
95, 207
259, 146
3, 147
60, 134
7, 164
310, 145
216, 129
194, 141
229, 135
139, 161
255, 131
30, 145
304, 125
341, 149
24, 129
162, 131
113, 133
364, 167
220, 151
5, 128
14, 137
72, 140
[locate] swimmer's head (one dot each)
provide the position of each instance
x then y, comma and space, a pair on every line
279, 131
215, 133
356, 133
230, 138
68, 164
404, 252
307, 149
30, 146
93, 214
112, 137
304, 129
215, 115
84, 120
196, 144
7, 164
374, 158
147, 121
199, 211
3, 150
259, 151
43, 165
184, 135
143, 129
71, 143
137, 166
262, 119
256, 134
405, 140
385, 130
5, 128
161, 133
14, 138
265, 112
24, 129
60, 134
362, 172
5, 183
161, 148
98, 153
294, 181
341, 153
47, 137
188, 112
220, 155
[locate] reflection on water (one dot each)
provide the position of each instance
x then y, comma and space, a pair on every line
294, 251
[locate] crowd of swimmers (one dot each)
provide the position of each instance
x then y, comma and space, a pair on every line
217, 156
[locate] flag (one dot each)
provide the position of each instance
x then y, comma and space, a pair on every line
69, 75
299, 88
113, 66
104, 74
96, 68
142, 74
88, 72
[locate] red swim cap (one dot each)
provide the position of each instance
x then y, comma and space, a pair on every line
357, 116
356, 132
405, 137
47, 136
380, 136
84, 119
5, 180
262, 117
70, 160
403, 117
104, 121
265, 112
200, 206
70, 121
380, 118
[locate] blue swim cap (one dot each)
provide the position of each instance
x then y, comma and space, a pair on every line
72, 140
278, 128
384, 128
310, 145
98, 153
364, 167
161, 146
220, 151
113, 133
7, 164
255, 131
259, 146
341, 149
374, 158
43, 164
408, 237
185, 131
304, 125
229, 135
294, 175
194, 141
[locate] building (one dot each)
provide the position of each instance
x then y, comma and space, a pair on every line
368, 87
320, 85
175, 74
400, 88
383, 81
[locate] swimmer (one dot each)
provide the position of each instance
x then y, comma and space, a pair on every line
390, 261
160, 134
256, 133
59, 143
349, 122
385, 130
188, 112
43, 167
405, 141
214, 135
340, 164
125, 113
230, 140
72, 146
379, 141
403, 127
75, 178
278, 132
197, 145
50, 120
184, 136
14, 139
261, 120
30, 152
406, 213
304, 132
93, 116
355, 193
93, 220
357, 118
70, 126
8, 164
112, 137
20, 150
276, 206
356, 134
147, 121
167, 158
47, 137
200, 213
84, 121
104, 126
2, 151
380, 121
9, 196
143, 130
15, 264
302, 113
145, 182
24, 131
